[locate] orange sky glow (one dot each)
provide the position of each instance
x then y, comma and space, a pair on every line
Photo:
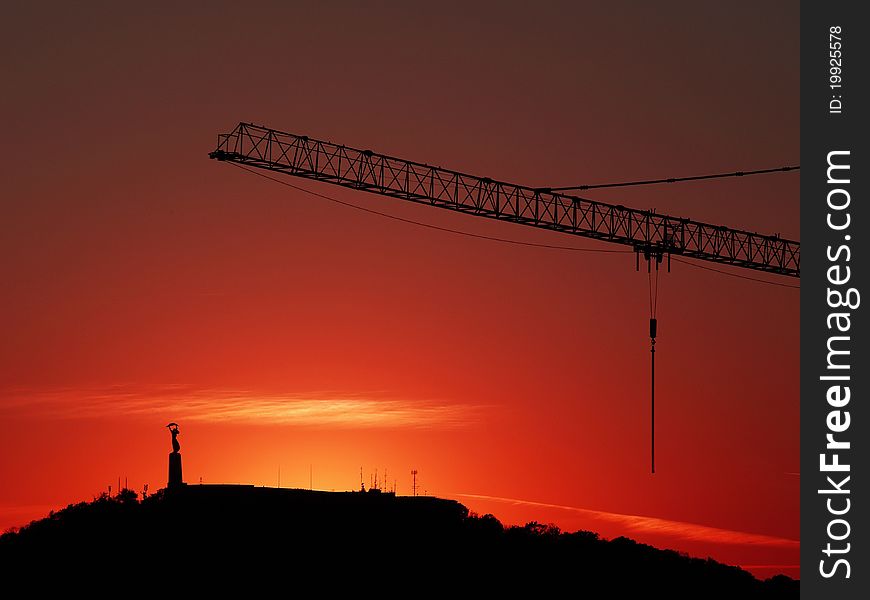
144, 283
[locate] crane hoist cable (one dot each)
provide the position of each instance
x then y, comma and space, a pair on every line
653, 330
652, 256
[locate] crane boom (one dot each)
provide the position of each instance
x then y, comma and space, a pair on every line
644, 231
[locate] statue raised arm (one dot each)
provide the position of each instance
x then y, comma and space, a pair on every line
173, 429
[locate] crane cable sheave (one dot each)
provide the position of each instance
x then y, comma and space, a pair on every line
646, 232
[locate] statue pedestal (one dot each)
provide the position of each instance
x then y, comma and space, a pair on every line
175, 479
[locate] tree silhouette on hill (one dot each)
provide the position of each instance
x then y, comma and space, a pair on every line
240, 532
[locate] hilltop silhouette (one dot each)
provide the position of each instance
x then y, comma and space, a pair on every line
243, 533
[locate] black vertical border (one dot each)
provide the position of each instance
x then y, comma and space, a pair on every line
821, 133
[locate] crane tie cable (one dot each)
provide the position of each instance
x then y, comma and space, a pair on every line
429, 225
493, 238
674, 179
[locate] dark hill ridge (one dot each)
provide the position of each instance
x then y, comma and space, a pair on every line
240, 532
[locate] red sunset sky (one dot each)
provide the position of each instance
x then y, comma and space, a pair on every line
144, 283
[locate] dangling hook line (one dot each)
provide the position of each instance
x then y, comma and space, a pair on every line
653, 330
652, 404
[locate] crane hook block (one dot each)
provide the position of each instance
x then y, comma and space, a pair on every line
652, 328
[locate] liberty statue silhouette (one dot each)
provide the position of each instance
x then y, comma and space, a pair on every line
175, 479
173, 429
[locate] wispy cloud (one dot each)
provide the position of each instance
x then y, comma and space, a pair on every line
326, 408
657, 526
